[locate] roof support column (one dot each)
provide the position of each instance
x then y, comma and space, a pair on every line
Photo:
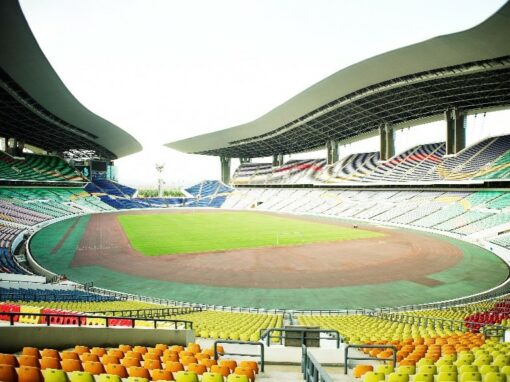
331, 151
278, 160
387, 141
245, 160
225, 169
455, 130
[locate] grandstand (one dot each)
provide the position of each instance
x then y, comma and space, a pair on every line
80, 311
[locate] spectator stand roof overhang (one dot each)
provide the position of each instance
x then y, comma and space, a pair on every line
36, 106
469, 70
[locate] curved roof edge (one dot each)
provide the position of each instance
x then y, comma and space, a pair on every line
23, 60
487, 40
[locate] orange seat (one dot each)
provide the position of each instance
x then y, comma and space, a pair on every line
28, 360
158, 352
187, 359
50, 353
133, 354
208, 362
85, 357
109, 359
8, 359
69, 365
116, 369
170, 357
139, 372
200, 356
251, 364
185, 353
174, 367
197, 368
177, 348
31, 351
116, 352
162, 346
69, 355
248, 371
408, 362
140, 349
150, 364
94, 368
80, 349
50, 363
162, 375
221, 369
152, 356
98, 351
230, 363
125, 348
193, 347
29, 374
8, 373
129, 361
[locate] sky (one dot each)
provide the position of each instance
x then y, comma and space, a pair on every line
165, 70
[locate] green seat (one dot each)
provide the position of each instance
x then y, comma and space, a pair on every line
465, 377
397, 377
386, 369
54, 375
109, 378
448, 369
186, 376
505, 369
462, 361
484, 369
424, 377
373, 376
444, 361
424, 361
81, 376
445, 376
494, 377
212, 377
427, 369
468, 369
238, 378
501, 361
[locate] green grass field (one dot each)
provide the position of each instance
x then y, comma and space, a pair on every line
154, 234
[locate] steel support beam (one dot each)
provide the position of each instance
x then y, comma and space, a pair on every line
455, 130
332, 151
387, 141
225, 169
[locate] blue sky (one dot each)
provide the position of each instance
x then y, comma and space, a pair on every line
166, 70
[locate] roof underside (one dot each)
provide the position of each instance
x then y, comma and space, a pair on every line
468, 70
37, 108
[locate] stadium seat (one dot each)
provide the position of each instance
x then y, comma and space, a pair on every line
174, 367
8, 373
94, 368
116, 369
251, 364
197, 368
470, 376
219, 369
109, 378
423, 377
8, 359
152, 364
398, 377
31, 351
29, 374
445, 376
89, 357
494, 377
385, 369
186, 376
81, 376
28, 360
137, 379
230, 363
130, 361
54, 375
69, 355
237, 378
162, 375
373, 376
248, 371
50, 363
139, 372
69, 365
212, 377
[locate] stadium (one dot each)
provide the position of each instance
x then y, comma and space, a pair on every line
377, 265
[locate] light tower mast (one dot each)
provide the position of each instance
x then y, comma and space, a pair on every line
161, 182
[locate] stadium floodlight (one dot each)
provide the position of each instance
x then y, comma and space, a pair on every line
160, 168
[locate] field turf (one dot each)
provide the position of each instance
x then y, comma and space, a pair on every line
162, 234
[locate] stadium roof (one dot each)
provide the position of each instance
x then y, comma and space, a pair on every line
468, 70
36, 106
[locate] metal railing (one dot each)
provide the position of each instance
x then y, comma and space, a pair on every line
347, 358
265, 334
148, 312
260, 355
312, 369
81, 320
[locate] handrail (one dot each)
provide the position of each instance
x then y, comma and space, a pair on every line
312, 369
31, 296
266, 334
347, 358
261, 356
148, 312
12, 319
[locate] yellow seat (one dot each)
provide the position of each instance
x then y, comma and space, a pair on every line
398, 377
55, 375
427, 369
359, 370
468, 369
373, 376
443, 361
494, 377
445, 376
406, 369
186, 376
109, 378
137, 379
423, 377
484, 369
237, 378
501, 361
448, 369
505, 369
212, 377
470, 376
424, 361
81, 376
385, 369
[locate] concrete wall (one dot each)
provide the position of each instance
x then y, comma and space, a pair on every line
14, 338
